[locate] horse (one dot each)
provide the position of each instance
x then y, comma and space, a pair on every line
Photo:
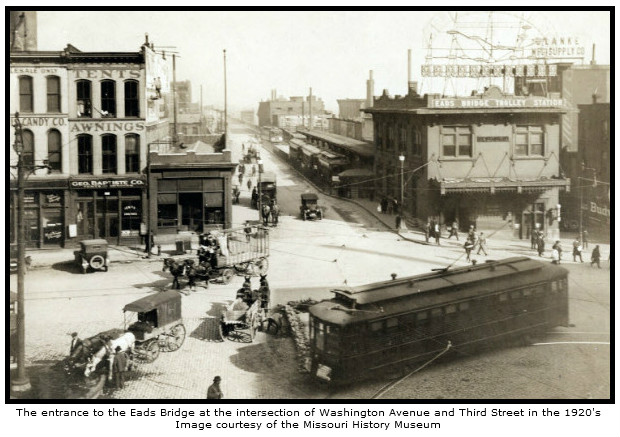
176, 269
80, 354
202, 271
275, 213
125, 341
266, 213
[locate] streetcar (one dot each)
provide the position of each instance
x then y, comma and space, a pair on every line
381, 327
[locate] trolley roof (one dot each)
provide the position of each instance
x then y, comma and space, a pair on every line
152, 301
268, 176
386, 298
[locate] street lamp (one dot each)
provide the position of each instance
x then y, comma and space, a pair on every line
259, 161
401, 158
21, 382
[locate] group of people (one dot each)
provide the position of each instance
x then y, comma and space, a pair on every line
578, 246
433, 230
388, 206
472, 241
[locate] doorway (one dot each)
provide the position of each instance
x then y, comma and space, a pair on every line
191, 211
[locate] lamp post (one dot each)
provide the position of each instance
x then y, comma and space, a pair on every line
21, 382
401, 158
259, 161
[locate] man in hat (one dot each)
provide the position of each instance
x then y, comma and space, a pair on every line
120, 367
214, 391
75, 342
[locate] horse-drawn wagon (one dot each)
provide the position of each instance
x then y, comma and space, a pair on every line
223, 253
243, 317
159, 325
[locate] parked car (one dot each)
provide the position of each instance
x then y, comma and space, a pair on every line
309, 208
93, 254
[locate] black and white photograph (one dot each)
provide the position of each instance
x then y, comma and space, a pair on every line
319, 205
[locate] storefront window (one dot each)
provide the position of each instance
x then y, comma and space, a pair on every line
53, 94
54, 150
108, 98
130, 224
52, 226
28, 151
132, 153
83, 98
108, 154
25, 94
85, 154
132, 101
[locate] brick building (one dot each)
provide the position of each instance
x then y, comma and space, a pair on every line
491, 160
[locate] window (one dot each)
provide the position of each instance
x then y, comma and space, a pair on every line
108, 154
529, 141
391, 322
132, 153
85, 154
132, 101
456, 141
25, 94
83, 98
195, 130
376, 326
28, 152
54, 150
108, 98
53, 94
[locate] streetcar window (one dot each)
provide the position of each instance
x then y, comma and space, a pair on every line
555, 286
527, 292
436, 312
320, 336
422, 315
463, 306
515, 294
311, 328
391, 322
376, 326
450, 309
540, 289
407, 319
503, 297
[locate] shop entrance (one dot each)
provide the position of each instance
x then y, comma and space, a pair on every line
533, 218
107, 216
191, 211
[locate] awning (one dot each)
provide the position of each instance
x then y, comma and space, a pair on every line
492, 185
356, 173
310, 150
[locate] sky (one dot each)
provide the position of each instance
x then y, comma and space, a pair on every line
332, 52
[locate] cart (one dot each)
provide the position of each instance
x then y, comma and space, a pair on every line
159, 325
239, 325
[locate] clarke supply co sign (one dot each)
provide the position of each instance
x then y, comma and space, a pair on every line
496, 103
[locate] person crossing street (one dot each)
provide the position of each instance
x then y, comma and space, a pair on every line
482, 244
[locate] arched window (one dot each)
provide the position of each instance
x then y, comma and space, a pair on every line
132, 99
108, 153
25, 94
132, 153
53, 94
83, 92
54, 145
28, 152
108, 98
85, 154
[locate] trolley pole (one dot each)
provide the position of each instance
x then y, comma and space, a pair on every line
225, 105
21, 382
259, 161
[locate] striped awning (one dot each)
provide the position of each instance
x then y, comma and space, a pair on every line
492, 185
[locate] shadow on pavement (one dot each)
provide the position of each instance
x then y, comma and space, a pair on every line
69, 267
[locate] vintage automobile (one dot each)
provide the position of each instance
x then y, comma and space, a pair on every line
309, 209
93, 254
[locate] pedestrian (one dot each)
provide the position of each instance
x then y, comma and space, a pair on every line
427, 231
253, 170
469, 246
275, 213
541, 245
247, 230
555, 255
596, 257
76, 342
120, 367
437, 231
243, 148
534, 238
384, 205
482, 244
454, 230
249, 184
577, 250
584, 238
240, 178
471, 234
214, 391
398, 220
557, 247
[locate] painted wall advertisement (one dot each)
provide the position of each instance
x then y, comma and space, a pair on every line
157, 84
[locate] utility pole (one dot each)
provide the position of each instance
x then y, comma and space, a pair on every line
225, 106
580, 179
175, 135
259, 204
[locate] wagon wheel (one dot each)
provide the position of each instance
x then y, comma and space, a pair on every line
242, 267
151, 352
227, 276
176, 337
262, 265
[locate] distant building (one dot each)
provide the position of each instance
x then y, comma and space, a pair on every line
276, 110
192, 128
351, 109
248, 117
352, 121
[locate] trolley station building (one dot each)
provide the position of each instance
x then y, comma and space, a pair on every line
490, 160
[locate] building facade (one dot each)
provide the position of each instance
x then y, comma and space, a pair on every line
490, 160
295, 111
84, 115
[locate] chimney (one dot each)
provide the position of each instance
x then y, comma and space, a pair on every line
409, 66
146, 39
370, 91
310, 110
593, 62
413, 87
